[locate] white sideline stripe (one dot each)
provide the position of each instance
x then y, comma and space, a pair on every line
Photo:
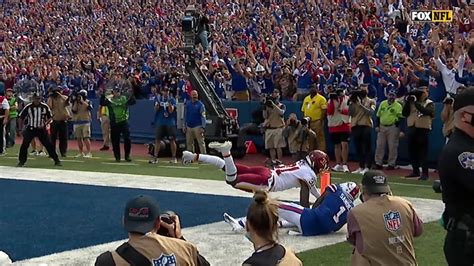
122, 164
16, 158
72, 161
233, 247
179, 167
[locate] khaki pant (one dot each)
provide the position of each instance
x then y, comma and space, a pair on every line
195, 134
318, 143
274, 138
105, 126
390, 135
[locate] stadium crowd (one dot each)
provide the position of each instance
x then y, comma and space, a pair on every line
346, 57
252, 47
340, 59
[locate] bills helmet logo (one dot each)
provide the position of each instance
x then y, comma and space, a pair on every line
165, 260
392, 220
466, 159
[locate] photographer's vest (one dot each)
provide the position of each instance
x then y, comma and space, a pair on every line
386, 226
361, 117
415, 120
337, 118
274, 118
448, 126
161, 249
59, 108
83, 114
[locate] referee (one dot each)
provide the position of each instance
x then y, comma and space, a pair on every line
36, 116
456, 172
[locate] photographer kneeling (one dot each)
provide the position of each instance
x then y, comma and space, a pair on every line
145, 246
419, 111
298, 135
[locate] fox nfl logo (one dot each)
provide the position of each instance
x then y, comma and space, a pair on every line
432, 16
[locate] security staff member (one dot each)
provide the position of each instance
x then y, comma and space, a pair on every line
388, 126
419, 111
119, 113
12, 121
36, 116
456, 172
4, 114
382, 228
314, 106
145, 246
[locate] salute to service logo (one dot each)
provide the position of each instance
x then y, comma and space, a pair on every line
432, 16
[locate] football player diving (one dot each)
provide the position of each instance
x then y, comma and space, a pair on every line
303, 173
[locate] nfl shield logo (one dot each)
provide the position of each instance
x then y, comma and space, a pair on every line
165, 260
392, 220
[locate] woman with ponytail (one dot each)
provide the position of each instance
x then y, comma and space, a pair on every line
262, 231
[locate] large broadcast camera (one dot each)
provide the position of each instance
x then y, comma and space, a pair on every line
220, 126
189, 26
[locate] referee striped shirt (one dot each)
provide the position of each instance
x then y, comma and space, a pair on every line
36, 116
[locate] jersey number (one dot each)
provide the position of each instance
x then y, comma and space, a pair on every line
288, 168
338, 214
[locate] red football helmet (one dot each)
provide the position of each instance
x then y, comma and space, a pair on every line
318, 161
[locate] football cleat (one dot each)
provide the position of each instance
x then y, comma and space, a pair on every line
188, 157
236, 226
223, 148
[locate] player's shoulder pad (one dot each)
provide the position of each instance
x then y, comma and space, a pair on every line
333, 188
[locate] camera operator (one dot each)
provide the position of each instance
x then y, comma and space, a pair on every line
59, 130
81, 117
361, 108
339, 126
145, 245
298, 134
274, 124
456, 171
419, 111
447, 114
203, 30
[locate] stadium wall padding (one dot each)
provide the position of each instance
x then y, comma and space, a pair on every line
142, 126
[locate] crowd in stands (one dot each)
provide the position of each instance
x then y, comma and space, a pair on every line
293, 50
253, 47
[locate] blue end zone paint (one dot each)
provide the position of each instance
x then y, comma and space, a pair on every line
41, 218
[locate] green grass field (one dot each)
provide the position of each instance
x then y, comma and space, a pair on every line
428, 246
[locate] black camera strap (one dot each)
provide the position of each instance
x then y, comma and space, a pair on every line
131, 255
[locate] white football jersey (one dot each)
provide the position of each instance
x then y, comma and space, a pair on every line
288, 176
